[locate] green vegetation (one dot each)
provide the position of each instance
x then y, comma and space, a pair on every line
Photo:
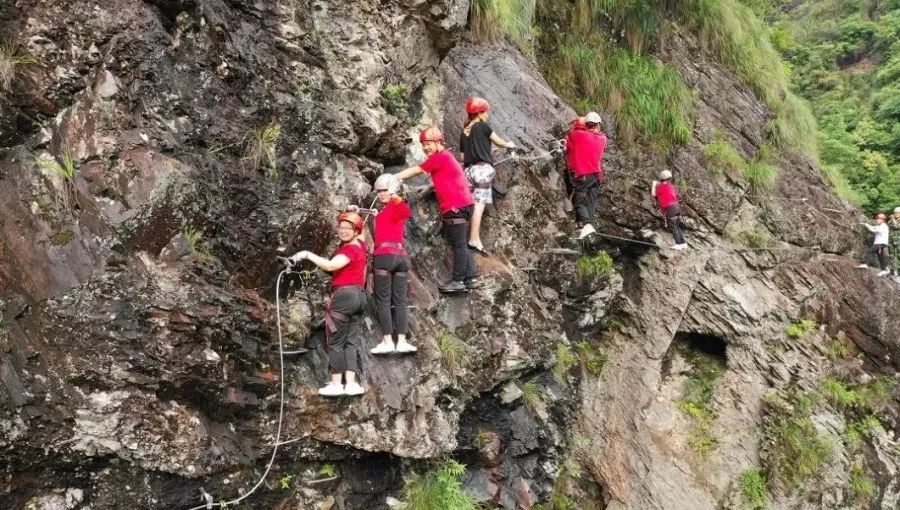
592, 361
697, 395
800, 328
455, 352
598, 265
722, 157
194, 239
863, 487
285, 482
513, 18
838, 349
650, 101
394, 100
532, 394
866, 397
439, 488
328, 471
845, 56
796, 452
61, 237
63, 167
11, 59
261, 145
565, 359
859, 430
753, 489
761, 176
751, 237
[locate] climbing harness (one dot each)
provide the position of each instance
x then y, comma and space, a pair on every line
210, 503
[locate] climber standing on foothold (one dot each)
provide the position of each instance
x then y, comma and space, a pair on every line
584, 155
879, 246
391, 266
475, 145
455, 203
894, 240
344, 315
667, 198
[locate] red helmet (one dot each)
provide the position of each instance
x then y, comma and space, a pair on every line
431, 134
354, 219
477, 105
579, 123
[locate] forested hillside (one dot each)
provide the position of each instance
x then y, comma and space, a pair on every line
844, 57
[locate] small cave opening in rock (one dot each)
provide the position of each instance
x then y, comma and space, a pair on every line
170, 9
707, 344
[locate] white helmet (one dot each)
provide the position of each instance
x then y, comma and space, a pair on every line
592, 118
896, 210
388, 182
665, 174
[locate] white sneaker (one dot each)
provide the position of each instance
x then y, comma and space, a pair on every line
862, 266
884, 273
586, 230
353, 389
679, 246
383, 348
332, 390
405, 346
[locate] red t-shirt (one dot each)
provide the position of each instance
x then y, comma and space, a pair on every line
584, 152
449, 181
666, 195
353, 273
390, 224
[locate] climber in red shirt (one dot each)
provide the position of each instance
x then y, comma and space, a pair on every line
455, 203
667, 199
584, 154
391, 266
344, 315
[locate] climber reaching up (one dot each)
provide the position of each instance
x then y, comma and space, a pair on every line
894, 240
344, 315
391, 266
879, 246
475, 145
584, 155
455, 203
667, 198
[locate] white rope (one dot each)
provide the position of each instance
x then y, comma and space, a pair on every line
224, 504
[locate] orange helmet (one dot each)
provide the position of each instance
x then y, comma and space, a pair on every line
579, 123
431, 134
354, 219
477, 105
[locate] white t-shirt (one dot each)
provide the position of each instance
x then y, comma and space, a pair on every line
881, 233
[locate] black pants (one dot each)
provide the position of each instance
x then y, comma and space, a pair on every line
344, 328
880, 252
391, 291
457, 235
585, 190
673, 220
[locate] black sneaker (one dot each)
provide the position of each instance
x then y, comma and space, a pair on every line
473, 283
453, 287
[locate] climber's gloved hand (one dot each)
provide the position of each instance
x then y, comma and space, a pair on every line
299, 256
352, 208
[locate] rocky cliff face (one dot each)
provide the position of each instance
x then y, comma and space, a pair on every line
139, 359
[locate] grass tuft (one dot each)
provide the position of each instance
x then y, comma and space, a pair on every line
722, 157
591, 360
761, 176
455, 352
565, 359
863, 487
532, 394
394, 100
597, 265
753, 489
800, 328
261, 145
11, 59
438, 489
697, 395
491, 19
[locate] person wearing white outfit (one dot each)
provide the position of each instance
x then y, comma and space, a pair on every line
879, 246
